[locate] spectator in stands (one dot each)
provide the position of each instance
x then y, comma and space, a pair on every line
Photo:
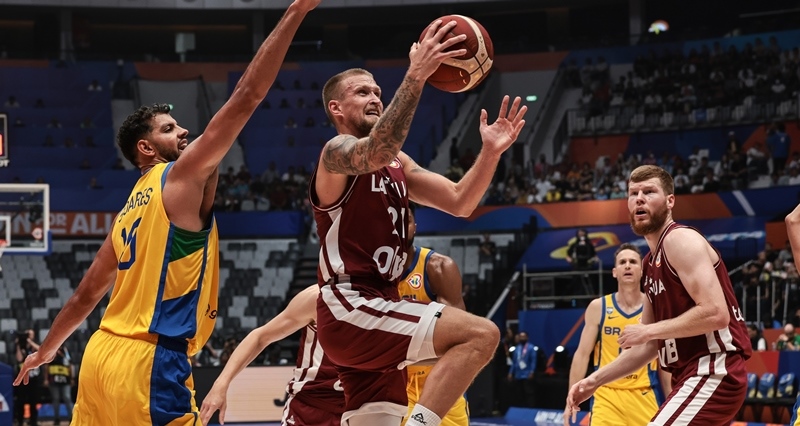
48, 140
794, 176
54, 123
488, 249
454, 172
89, 142
582, 256
93, 184
59, 378
68, 143
29, 393
284, 104
756, 338
301, 103
87, 123
228, 347
94, 86
290, 123
118, 164
778, 143
757, 160
270, 174
12, 102
297, 85
523, 367
454, 150
468, 159
85, 165
39, 103
788, 340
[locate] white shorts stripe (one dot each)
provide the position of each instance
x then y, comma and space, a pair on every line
369, 408
711, 342
704, 365
682, 397
719, 364
286, 411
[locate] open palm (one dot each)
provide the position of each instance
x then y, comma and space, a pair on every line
498, 136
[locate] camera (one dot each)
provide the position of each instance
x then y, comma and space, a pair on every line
22, 339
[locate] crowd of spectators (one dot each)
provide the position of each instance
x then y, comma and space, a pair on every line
272, 191
674, 82
606, 178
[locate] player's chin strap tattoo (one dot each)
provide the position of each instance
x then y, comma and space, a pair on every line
352, 156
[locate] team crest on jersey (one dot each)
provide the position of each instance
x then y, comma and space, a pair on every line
415, 281
394, 164
609, 311
658, 259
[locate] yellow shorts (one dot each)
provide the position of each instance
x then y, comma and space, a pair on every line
126, 381
618, 407
457, 416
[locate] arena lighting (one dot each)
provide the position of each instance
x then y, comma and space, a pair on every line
559, 349
659, 26
531, 98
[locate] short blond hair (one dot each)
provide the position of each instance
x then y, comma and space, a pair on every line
331, 90
643, 173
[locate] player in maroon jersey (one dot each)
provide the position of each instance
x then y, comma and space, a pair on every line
360, 191
315, 395
691, 318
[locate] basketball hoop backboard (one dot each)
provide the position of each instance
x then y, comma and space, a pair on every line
25, 218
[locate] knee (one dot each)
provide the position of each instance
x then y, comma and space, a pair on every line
487, 337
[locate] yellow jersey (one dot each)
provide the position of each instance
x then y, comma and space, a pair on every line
612, 322
167, 277
414, 285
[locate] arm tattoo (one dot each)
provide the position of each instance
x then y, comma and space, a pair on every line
352, 156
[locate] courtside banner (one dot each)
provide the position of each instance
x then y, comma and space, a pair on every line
733, 237
6, 394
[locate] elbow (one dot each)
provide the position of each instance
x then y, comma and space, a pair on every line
719, 318
793, 219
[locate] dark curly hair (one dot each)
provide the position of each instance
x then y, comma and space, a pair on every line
135, 127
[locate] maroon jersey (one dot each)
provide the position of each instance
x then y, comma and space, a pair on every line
315, 381
363, 234
697, 355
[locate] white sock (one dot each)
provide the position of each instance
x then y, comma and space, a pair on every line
421, 416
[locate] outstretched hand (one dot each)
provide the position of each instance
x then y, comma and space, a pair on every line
32, 361
216, 399
498, 136
579, 392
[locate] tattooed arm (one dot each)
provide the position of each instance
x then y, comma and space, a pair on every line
349, 155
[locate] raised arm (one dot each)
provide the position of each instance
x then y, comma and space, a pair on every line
580, 360
97, 281
300, 312
460, 199
445, 280
201, 158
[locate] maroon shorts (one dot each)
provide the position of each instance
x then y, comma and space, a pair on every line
298, 413
706, 400
371, 340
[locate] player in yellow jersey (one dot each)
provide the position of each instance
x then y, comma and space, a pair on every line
632, 400
429, 277
161, 256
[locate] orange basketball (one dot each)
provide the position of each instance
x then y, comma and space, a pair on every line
464, 72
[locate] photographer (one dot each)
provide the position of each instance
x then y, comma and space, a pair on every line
582, 256
60, 377
27, 394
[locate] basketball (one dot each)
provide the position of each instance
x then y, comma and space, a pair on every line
464, 72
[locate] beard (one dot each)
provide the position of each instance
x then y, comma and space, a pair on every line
168, 154
657, 219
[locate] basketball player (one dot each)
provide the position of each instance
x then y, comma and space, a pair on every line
315, 395
431, 277
161, 258
360, 191
690, 319
793, 231
634, 399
